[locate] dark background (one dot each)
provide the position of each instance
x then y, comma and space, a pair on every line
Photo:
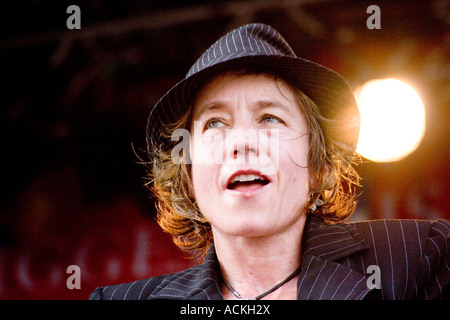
73, 115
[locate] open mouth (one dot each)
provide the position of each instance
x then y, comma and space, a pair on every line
247, 181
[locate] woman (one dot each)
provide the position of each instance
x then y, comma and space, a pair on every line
251, 160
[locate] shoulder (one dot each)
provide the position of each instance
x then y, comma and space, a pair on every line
137, 290
144, 288
395, 227
412, 255
404, 232
196, 283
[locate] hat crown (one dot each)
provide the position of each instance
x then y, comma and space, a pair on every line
260, 46
249, 40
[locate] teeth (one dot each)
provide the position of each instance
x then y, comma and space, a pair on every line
246, 177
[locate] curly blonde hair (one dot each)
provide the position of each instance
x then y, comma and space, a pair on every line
332, 194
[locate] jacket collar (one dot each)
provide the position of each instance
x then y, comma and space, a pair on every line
321, 277
331, 242
210, 274
202, 280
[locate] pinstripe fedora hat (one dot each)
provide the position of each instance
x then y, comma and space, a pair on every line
260, 46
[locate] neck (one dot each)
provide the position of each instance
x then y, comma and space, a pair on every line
253, 265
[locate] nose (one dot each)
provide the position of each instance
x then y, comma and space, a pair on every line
245, 151
242, 144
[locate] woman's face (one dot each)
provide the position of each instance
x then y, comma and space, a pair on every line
249, 151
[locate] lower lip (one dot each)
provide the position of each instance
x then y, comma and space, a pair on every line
247, 193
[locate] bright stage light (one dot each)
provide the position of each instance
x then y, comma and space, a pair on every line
392, 120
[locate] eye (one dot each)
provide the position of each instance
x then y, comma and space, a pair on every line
270, 118
213, 123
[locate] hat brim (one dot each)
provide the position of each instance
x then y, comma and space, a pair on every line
329, 91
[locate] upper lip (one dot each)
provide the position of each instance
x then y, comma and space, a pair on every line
246, 172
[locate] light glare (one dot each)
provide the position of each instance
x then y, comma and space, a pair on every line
392, 120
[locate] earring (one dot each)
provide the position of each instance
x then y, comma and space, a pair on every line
316, 204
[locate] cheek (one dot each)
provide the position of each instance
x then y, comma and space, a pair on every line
294, 154
208, 147
202, 178
294, 167
203, 165
206, 189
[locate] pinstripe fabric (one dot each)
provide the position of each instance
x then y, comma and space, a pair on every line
262, 46
413, 257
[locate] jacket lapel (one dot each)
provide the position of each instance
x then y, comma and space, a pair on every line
322, 276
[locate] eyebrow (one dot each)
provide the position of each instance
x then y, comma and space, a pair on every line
217, 104
220, 104
272, 103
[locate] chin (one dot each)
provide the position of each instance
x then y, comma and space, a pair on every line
248, 232
250, 224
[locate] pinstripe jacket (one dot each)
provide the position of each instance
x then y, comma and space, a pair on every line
412, 256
